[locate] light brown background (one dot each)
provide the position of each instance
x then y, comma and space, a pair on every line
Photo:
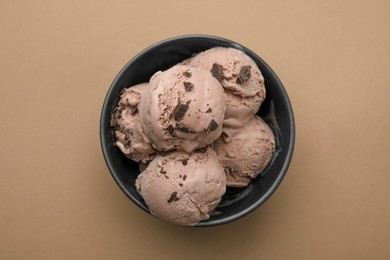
57, 61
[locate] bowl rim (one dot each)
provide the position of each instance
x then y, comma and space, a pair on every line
261, 200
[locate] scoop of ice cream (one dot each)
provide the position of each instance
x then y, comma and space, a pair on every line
181, 188
245, 153
130, 138
240, 77
183, 109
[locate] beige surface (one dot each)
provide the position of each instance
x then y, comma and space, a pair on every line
57, 198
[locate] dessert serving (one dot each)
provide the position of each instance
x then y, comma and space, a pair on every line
195, 131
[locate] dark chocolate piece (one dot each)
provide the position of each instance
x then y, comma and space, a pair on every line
173, 197
185, 130
184, 177
184, 161
188, 85
245, 74
209, 110
187, 73
134, 110
212, 126
216, 71
179, 111
181, 184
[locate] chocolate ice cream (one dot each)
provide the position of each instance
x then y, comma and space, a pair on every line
183, 109
172, 125
130, 138
239, 76
246, 152
183, 188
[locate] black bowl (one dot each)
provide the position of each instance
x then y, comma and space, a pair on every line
276, 111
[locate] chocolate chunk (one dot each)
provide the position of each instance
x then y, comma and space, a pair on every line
216, 71
187, 73
209, 110
185, 130
184, 161
188, 85
212, 126
173, 197
170, 129
245, 74
179, 111
181, 184
184, 177
163, 171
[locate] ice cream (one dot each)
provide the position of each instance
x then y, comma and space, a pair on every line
183, 109
239, 76
194, 131
183, 188
130, 138
245, 153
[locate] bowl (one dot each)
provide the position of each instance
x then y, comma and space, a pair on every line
276, 110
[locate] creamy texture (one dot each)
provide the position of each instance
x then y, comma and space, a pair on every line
245, 153
183, 109
181, 188
130, 138
239, 76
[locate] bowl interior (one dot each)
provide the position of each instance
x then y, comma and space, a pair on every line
275, 110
